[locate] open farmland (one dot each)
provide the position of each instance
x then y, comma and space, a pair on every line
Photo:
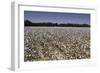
56, 43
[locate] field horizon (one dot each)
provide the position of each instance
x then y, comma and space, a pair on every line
51, 24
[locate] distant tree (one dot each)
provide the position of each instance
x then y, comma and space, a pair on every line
29, 23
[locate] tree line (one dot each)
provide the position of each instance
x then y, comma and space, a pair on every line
29, 23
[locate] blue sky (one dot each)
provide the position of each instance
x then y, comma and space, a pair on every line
57, 17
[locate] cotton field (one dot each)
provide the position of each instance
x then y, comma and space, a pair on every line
56, 43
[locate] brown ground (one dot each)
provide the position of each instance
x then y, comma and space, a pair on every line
41, 43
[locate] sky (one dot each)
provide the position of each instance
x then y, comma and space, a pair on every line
57, 17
